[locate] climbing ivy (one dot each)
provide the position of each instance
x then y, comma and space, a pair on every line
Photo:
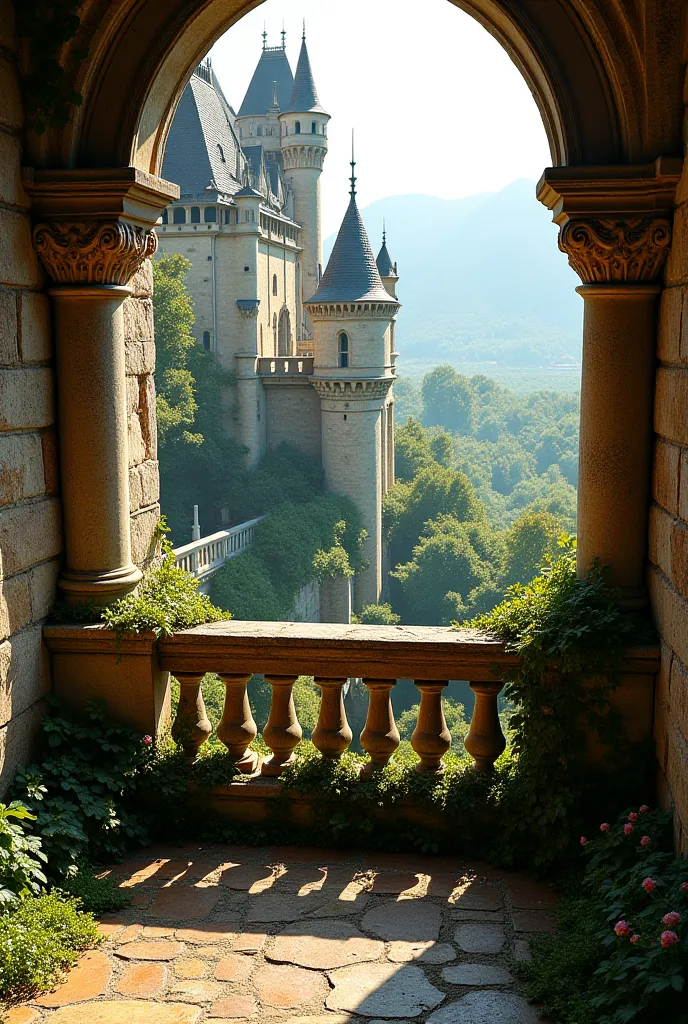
46, 26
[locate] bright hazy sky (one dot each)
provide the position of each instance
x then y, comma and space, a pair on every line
437, 105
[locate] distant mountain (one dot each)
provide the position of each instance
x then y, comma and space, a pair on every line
481, 278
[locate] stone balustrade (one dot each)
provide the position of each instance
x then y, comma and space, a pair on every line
333, 653
201, 558
285, 366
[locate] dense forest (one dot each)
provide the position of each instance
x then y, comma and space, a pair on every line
485, 485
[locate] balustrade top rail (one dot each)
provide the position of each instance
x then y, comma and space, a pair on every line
203, 557
285, 366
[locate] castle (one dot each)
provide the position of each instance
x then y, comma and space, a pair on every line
312, 354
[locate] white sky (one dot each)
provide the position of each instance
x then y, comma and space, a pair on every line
437, 105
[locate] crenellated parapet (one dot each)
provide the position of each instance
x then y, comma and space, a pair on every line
352, 310
365, 390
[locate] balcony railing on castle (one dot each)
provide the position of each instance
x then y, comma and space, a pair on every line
285, 366
203, 557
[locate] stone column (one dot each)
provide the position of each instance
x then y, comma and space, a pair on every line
615, 227
93, 233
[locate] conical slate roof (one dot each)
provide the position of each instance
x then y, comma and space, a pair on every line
351, 274
304, 97
273, 66
384, 262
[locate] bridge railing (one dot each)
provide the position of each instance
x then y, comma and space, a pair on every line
203, 557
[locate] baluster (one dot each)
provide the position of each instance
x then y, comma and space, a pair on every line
431, 738
332, 734
191, 727
380, 737
282, 732
237, 728
485, 740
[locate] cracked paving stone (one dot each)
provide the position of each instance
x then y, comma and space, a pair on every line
480, 938
233, 1008
213, 931
234, 967
126, 1011
185, 903
401, 952
325, 946
247, 878
485, 1007
190, 968
250, 942
340, 907
409, 920
273, 908
21, 1015
390, 883
287, 987
382, 990
85, 981
476, 974
164, 950
143, 980
478, 897
197, 991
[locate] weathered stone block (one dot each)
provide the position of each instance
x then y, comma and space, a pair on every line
143, 526
139, 358
138, 320
21, 467
43, 588
677, 264
678, 696
18, 263
679, 557
29, 533
18, 739
670, 614
670, 316
677, 772
15, 605
144, 485
9, 353
141, 283
24, 672
35, 341
50, 463
660, 539
26, 398
665, 476
137, 447
683, 486
11, 113
11, 190
671, 403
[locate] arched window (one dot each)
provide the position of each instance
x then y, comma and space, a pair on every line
274, 284
179, 215
206, 340
284, 333
164, 217
343, 350
210, 214
222, 153
259, 130
297, 128
314, 128
195, 215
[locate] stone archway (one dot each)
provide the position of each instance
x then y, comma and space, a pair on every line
284, 333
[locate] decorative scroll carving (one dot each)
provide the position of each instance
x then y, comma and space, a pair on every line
248, 308
351, 390
603, 251
93, 252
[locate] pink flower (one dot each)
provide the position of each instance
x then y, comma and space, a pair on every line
634, 939
604, 826
628, 829
646, 841
684, 887
583, 840
148, 740
632, 816
649, 884
671, 919
643, 808
668, 939
622, 929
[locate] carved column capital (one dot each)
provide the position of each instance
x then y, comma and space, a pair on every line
605, 250
93, 251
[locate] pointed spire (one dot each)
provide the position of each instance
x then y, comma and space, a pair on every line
384, 260
352, 191
304, 97
265, 36
272, 67
284, 37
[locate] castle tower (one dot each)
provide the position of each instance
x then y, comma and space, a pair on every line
352, 315
304, 145
389, 278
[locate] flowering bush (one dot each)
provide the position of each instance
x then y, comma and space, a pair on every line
630, 916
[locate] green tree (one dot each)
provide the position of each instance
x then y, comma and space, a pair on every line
449, 400
174, 319
412, 451
378, 615
530, 540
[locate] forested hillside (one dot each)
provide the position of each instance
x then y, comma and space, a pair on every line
482, 278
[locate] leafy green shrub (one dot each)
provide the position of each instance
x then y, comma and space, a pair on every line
21, 855
83, 792
39, 938
96, 895
378, 615
621, 952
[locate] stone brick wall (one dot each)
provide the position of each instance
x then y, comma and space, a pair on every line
30, 528
668, 575
144, 485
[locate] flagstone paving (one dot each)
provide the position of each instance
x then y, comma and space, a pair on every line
300, 936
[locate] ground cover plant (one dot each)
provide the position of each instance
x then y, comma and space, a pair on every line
621, 951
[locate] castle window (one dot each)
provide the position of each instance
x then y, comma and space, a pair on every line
164, 217
297, 128
250, 127
222, 153
343, 350
260, 130
210, 215
206, 340
179, 215
195, 215
227, 220
314, 128
274, 284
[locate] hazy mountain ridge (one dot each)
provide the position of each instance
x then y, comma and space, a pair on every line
481, 278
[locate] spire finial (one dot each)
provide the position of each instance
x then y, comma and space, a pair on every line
303, 37
265, 36
275, 101
353, 168
284, 37
384, 232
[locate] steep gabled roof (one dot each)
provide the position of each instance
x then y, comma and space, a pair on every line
202, 149
351, 274
273, 66
304, 97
